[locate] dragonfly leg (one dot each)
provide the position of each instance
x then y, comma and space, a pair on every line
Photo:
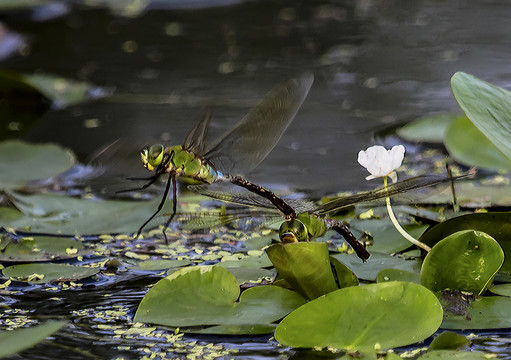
342, 229
162, 202
152, 180
174, 208
279, 203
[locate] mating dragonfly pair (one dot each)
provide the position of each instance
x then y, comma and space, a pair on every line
240, 150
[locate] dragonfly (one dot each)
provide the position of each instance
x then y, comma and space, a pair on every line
233, 154
308, 223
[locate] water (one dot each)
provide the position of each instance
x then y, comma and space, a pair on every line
377, 64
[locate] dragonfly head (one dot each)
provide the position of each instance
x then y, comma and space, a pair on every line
293, 231
152, 156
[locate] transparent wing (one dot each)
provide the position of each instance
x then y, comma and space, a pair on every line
414, 183
195, 139
232, 194
244, 146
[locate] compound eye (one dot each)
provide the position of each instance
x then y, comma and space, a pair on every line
292, 231
155, 155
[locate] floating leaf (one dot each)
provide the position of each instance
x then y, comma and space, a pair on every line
448, 340
60, 91
21, 162
376, 263
487, 106
501, 289
253, 275
485, 312
305, 266
496, 224
41, 248
60, 214
253, 329
427, 129
153, 265
45, 273
207, 295
388, 314
20, 339
452, 354
466, 260
345, 277
460, 137
387, 275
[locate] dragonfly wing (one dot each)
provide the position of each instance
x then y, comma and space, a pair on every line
229, 193
243, 147
414, 183
195, 139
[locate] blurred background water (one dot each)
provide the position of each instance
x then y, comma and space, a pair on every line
377, 63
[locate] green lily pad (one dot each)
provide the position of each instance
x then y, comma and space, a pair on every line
497, 225
466, 260
386, 239
427, 129
448, 341
21, 162
253, 329
305, 266
453, 354
460, 137
487, 106
45, 273
501, 289
485, 312
60, 91
250, 261
252, 275
345, 277
387, 275
154, 265
40, 248
388, 314
207, 295
60, 214
376, 263
14, 341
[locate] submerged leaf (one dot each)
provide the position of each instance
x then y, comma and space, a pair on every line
448, 341
427, 129
361, 317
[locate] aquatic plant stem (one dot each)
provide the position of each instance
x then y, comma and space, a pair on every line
402, 231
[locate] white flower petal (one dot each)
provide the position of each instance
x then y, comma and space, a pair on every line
381, 162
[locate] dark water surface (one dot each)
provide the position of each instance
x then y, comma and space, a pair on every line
376, 63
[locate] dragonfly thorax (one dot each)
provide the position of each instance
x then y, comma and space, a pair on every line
178, 160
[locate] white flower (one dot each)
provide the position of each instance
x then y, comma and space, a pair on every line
381, 162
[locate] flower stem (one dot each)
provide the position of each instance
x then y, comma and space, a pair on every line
402, 231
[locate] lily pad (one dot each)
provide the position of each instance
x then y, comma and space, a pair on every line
460, 137
376, 263
154, 265
207, 295
387, 275
45, 273
343, 274
253, 329
487, 106
21, 162
305, 266
388, 314
448, 341
60, 214
40, 248
427, 129
252, 275
485, 312
14, 341
501, 289
466, 261
496, 224
453, 354
60, 91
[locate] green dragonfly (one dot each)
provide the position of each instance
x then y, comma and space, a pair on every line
236, 152
307, 222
